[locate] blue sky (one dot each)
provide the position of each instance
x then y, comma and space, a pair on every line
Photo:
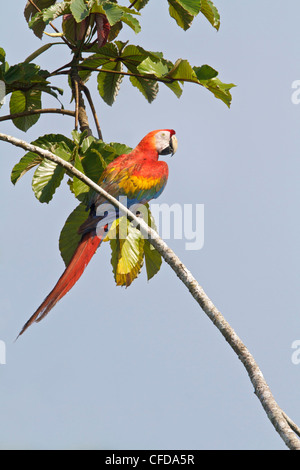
143, 367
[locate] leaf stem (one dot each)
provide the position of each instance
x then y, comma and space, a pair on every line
139, 75
130, 74
132, 4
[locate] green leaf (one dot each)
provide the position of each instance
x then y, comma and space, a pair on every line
120, 149
48, 175
97, 156
37, 24
132, 22
21, 101
2, 55
79, 187
51, 90
182, 17
184, 11
109, 83
79, 10
30, 160
132, 57
41, 19
153, 68
46, 180
175, 87
153, 259
140, 61
127, 253
211, 13
23, 72
86, 141
135, 55
182, 71
30, 11
219, 89
132, 54
108, 52
116, 14
192, 6
13, 74
148, 88
114, 31
93, 164
159, 69
54, 11
69, 237
129, 248
140, 4
56, 143
113, 13
205, 72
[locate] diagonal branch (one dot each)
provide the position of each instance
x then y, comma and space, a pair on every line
286, 428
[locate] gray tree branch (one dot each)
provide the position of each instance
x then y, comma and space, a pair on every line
285, 427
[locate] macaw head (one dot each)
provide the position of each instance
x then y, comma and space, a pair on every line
166, 142
161, 142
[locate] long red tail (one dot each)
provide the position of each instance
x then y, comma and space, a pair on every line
82, 256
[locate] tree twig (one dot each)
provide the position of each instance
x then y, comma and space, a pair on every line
80, 111
287, 430
76, 89
132, 4
38, 111
89, 98
291, 423
128, 74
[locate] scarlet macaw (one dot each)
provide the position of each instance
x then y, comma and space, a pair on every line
137, 175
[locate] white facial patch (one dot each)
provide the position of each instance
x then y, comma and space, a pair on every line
162, 140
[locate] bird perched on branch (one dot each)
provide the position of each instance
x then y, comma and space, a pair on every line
139, 176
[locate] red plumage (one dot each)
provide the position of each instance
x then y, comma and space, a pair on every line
125, 175
82, 256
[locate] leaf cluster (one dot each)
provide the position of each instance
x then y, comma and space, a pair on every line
25, 82
112, 60
145, 69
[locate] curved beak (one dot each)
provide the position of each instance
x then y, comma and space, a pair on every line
173, 144
172, 147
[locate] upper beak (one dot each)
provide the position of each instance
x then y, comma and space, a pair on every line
173, 144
